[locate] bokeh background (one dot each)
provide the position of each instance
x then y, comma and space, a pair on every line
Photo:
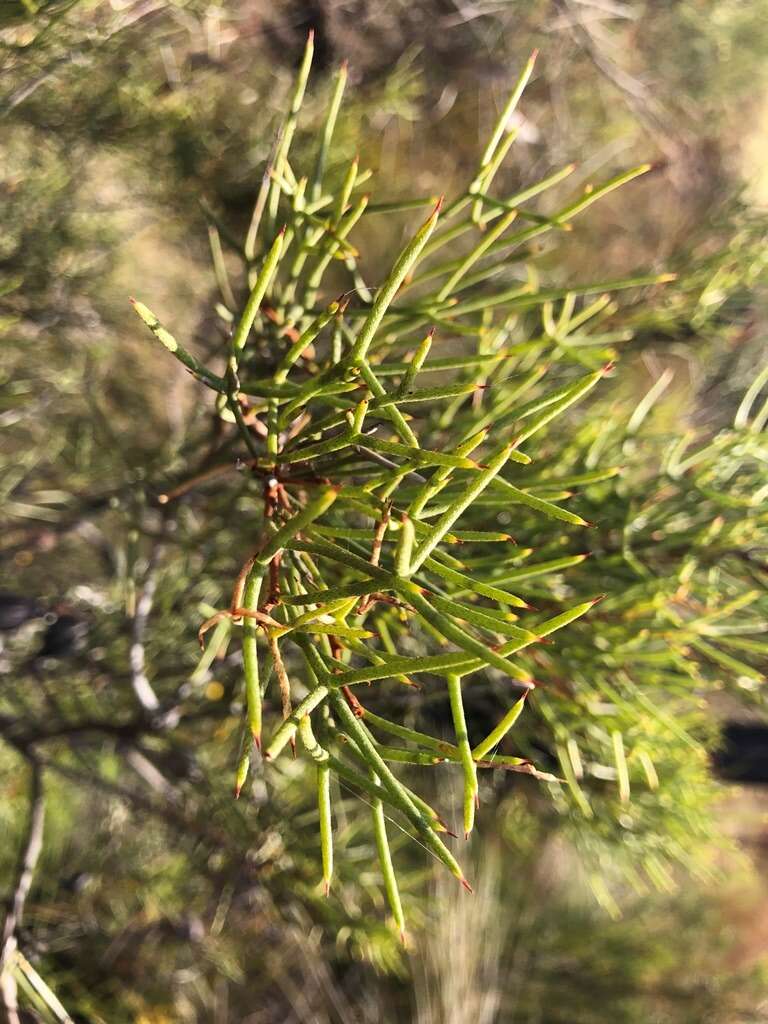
126, 129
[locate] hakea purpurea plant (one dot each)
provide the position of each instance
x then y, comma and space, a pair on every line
368, 452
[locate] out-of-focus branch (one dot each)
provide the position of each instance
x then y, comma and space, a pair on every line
634, 92
142, 687
14, 731
30, 854
24, 733
151, 774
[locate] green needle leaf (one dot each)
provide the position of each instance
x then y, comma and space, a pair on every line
258, 292
465, 752
448, 518
495, 736
386, 293
387, 868
185, 358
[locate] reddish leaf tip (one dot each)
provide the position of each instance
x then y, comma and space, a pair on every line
466, 885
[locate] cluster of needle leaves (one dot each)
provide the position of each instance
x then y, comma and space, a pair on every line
386, 423
626, 719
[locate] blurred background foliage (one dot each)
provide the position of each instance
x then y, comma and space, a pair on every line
127, 128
